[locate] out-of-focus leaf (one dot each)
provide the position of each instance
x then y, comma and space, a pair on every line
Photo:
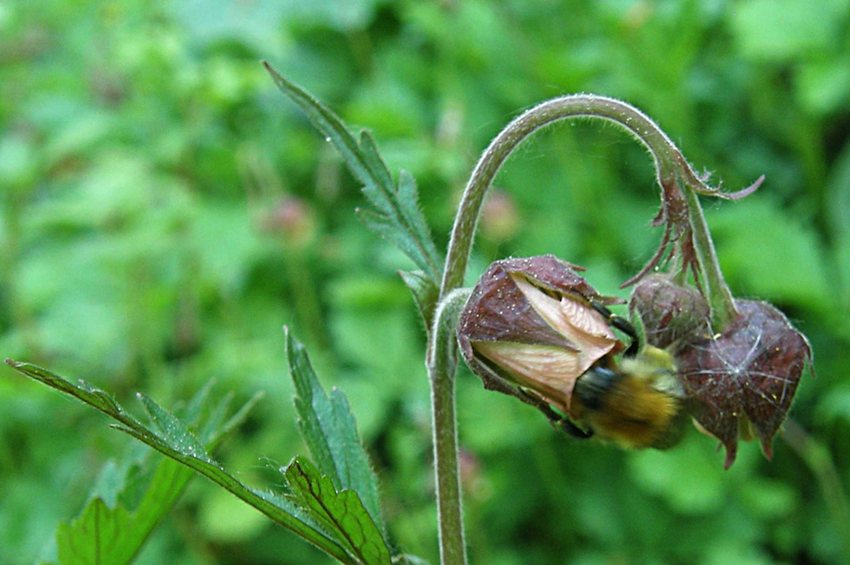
835, 406
687, 478
344, 15
255, 23
823, 86
107, 531
114, 534
396, 216
225, 519
17, 160
796, 275
769, 498
406, 559
180, 445
78, 134
838, 210
339, 511
330, 431
738, 552
778, 30
392, 107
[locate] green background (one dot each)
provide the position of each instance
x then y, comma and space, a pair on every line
165, 211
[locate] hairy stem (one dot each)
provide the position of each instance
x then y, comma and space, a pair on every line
714, 285
671, 169
442, 363
669, 163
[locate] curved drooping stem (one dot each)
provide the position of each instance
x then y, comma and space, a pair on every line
672, 171
685, 230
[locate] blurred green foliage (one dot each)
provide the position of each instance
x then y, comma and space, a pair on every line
165, 212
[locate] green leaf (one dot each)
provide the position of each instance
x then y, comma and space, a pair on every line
396, 216
174, 432
687, 478
106, 531
838, 210
797, 275
425, 294
408, 200
339, 511
330, 431
780, 30
375, 163
183, 447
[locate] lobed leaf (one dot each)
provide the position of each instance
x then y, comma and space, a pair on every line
339, 511
175, 440
329, 429
107, 531
408, 199
396, 216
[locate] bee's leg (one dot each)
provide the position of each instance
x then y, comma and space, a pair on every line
621, 324
555, 419
575, 431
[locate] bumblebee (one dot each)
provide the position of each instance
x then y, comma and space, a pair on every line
635, 402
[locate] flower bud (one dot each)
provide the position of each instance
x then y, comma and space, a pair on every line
294, 220
500, 218
531, 322
672, 315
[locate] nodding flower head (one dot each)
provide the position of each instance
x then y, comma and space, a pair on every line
534, 328
742, 381
532, 322
738, 383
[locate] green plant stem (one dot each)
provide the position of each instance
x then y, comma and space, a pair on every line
447, 472
669, 163
442, 351
442, 365
719, 296
671, 169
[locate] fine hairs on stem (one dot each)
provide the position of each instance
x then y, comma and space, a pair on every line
674, 175
442, 364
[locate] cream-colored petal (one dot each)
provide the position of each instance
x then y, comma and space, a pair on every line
549, 308
576, 320
548, 370
585, 318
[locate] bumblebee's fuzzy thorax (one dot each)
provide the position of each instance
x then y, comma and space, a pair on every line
635, 403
